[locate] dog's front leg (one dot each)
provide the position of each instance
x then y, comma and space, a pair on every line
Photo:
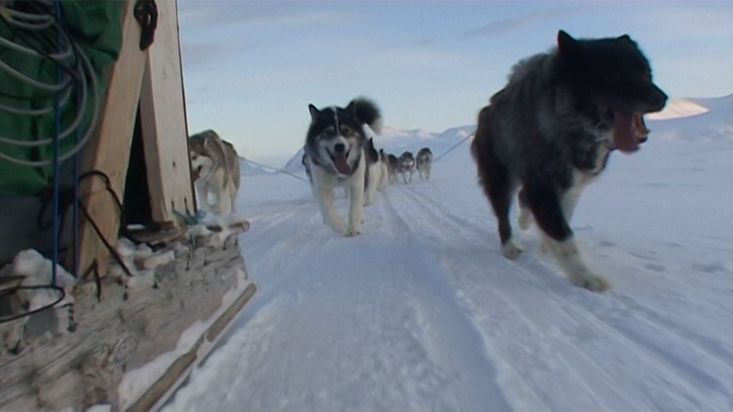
356, 192
202, 193
324, 195
559, 239
225, 202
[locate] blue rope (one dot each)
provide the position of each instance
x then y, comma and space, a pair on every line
56, 163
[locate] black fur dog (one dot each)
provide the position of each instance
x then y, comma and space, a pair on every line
551, 131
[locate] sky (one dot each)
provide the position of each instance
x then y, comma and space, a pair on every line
252, 67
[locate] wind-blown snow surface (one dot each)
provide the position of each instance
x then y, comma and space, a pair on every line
422, 312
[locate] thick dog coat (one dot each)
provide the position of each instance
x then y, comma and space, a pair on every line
551, 131
334, 147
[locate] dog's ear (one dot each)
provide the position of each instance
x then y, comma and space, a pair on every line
351, 109
314, 111
566, 44
626, 39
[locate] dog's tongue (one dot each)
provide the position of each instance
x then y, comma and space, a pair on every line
623, 134
339, 160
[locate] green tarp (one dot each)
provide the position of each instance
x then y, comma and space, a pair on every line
95, 25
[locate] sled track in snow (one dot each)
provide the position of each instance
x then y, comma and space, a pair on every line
677, 358
528, 317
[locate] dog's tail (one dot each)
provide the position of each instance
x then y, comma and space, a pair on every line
366, 111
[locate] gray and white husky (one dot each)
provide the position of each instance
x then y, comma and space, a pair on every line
551, 131
406, 164
215, 171
424, 163
334, 147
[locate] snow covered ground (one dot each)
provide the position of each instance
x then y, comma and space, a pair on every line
422, 312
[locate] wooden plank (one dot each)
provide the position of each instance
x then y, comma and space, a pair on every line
109, 152
163, 121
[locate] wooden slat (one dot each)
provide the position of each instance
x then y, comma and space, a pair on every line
163, 121
132, 326
109, 152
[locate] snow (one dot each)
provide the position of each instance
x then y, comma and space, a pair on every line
36, 270
422, 311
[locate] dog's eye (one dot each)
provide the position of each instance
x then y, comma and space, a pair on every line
346, 130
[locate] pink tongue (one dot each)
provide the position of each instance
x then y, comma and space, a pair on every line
341, 164
623, 136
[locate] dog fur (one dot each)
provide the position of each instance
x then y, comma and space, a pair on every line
373, 178
215, 170
551, 131
384, 181
335, 149
406, 166
393, 165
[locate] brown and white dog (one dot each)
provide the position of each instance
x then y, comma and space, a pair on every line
215, 172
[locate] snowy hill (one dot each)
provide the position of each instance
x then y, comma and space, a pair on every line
694, 119
422, 311
295, 164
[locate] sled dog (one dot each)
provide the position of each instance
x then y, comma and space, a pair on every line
551, 130
424, 163
407, 166
394, 167
215, 171
335, 149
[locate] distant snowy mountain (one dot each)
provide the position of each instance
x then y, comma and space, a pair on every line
693, 119
677, 109
295, 164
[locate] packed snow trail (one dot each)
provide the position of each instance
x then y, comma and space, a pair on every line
422, 312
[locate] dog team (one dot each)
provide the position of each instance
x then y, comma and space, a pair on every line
543, 137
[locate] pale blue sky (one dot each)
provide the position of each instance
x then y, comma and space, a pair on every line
252, 67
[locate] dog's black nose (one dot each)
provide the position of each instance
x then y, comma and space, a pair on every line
659, 99
339, 148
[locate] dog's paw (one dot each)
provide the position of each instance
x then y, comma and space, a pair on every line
338, 226
511, 250
592, 282
352, 232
